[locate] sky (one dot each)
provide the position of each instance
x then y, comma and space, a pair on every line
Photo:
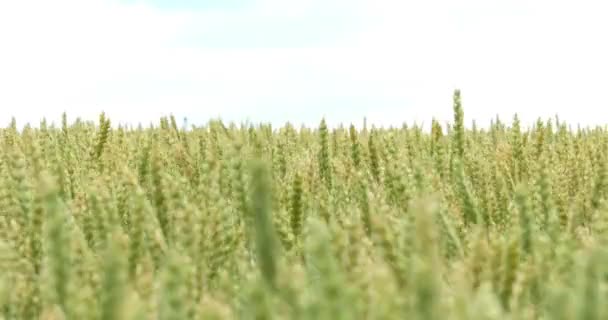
277, 61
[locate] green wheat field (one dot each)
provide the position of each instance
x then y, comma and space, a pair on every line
227, 221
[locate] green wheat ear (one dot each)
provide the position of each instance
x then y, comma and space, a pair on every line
265, 234
591, 273
469, 206
296, 207
355, 146
525, 219
324, 156
102, 137
173, 303
58, 244
426, 267
459, 131
113, 288
332, 296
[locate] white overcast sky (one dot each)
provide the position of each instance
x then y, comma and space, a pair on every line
275, 60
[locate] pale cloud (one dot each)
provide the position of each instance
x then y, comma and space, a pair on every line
55, 56
389, 60
534, 58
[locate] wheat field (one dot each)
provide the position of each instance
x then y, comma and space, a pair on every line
227, 221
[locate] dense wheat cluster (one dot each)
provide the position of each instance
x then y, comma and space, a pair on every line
251, 222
